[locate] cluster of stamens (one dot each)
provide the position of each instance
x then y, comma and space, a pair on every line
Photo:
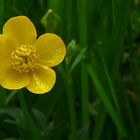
23, 58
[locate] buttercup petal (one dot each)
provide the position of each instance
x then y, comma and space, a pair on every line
21, 29
42, 80
6, 47
14, 80
51, 48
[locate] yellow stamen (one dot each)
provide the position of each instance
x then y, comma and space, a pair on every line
24, 57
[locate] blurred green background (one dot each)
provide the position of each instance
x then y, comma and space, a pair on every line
97, 93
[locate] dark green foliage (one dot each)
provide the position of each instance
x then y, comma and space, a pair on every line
96, 95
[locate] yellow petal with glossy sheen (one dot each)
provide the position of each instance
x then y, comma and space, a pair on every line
41, 81
14, 80
51, 48
21, 29
6, 47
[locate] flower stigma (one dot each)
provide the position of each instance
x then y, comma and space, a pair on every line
23, 58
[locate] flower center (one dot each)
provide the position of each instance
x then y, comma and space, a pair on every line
24, 57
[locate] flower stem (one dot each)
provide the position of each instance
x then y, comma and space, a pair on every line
29, 121
85, 101
71, 102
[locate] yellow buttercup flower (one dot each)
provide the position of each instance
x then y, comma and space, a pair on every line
27, 61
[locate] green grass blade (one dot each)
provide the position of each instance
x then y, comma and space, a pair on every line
99, 125
106, 101
82, 23
112, 90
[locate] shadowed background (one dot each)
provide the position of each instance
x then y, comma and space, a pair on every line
96, 95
